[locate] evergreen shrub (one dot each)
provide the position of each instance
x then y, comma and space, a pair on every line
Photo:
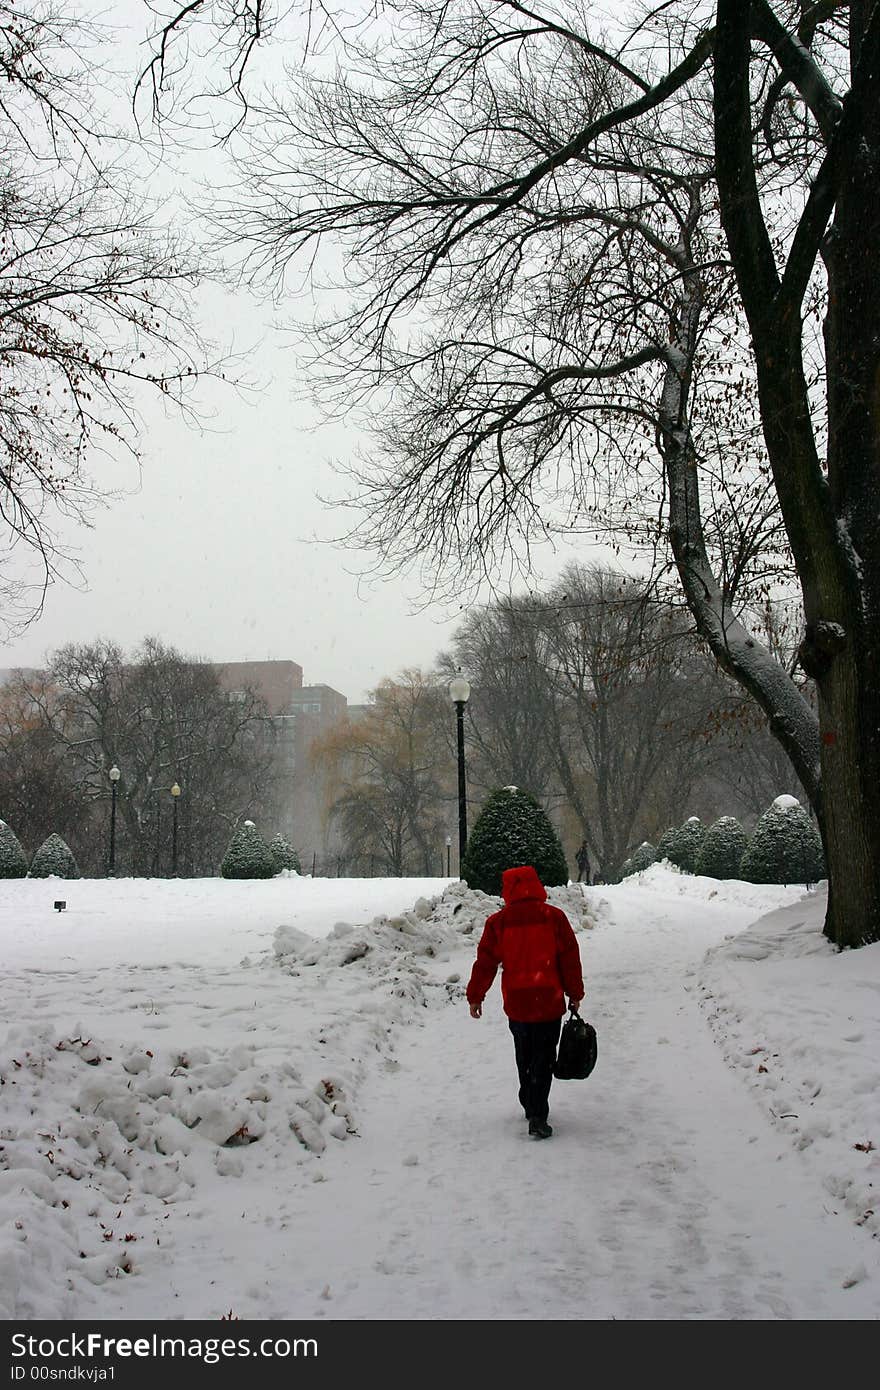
248, 855
284, 855
722, 849
642, 858
512, 829
666, 844
13, 860
785, 848
54, 859
686, 845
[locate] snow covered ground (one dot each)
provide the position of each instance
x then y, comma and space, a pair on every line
267, 1100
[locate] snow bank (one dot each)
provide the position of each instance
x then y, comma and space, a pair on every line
759, 991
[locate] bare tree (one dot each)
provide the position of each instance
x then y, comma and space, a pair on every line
389, 773
625, 694
162, 719
595, 696
497, 645
533, 314
39, 791
540, 301
744, 767
94, 297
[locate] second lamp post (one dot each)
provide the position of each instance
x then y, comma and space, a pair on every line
175, 793
114, 774
460, 692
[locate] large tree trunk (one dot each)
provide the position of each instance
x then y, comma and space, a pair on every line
832, 523
790, 718
848, 674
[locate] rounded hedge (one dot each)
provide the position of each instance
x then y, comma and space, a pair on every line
641, 858
722, 849
13, 860
284, 855
54, 859
512, 829
686, 845
248, 855
785, 848
666, 844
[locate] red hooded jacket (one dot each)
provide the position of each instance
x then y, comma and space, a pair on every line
536, 948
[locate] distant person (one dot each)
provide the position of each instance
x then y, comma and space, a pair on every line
583, 862
540, 963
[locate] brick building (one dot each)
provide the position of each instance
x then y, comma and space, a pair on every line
277, 682
300, 712
300, 715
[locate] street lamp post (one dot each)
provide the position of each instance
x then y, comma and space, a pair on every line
114, 774
448, 856
460, 691
175, 794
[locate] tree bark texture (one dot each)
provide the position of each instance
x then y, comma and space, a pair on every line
849, 683
831, 514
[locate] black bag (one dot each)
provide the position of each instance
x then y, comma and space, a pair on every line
578, 1049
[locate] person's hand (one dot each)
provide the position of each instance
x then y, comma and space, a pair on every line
574, 1005
476, 1011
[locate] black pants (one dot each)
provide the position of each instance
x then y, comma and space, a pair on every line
535, 1045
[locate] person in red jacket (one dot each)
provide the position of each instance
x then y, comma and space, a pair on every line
540, 963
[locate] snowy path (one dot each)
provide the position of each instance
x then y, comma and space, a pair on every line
597, 1224
665, 1192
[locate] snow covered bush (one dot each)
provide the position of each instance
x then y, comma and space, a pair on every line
284, 855
512, 829
13, 860
54, 858
686, 845
722, 849
665, 845
785, 847
641, 858
248, 855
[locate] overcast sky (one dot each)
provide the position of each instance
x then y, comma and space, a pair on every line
222, 549
215, 549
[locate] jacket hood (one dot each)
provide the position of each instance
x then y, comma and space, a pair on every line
520, 883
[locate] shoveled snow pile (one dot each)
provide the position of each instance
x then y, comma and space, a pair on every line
669, 879
433, 928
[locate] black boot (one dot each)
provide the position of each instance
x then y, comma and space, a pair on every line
540, 1129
